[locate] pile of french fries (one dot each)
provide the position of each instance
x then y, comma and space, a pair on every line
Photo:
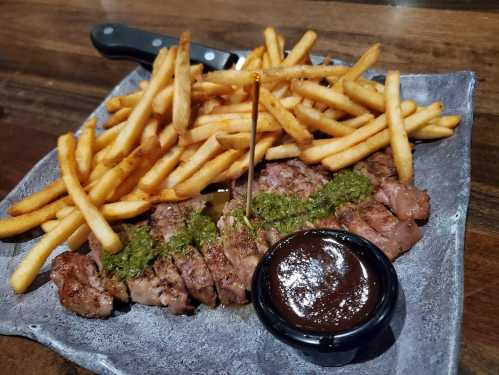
183, 130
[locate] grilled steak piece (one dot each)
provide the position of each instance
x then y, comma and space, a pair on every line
240, 246
406, 232
145, 288
377, 167
406, 201
229, 287
196, 276
351, 220
80, 289
111, 284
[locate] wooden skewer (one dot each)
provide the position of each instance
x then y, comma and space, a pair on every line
254, 120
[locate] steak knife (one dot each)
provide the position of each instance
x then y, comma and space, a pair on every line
118, 41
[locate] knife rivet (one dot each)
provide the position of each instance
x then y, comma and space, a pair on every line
108, 30
156, 42
209, 55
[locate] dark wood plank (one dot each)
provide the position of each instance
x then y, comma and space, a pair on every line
468, 5
51, 79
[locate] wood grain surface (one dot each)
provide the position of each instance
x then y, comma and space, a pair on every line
51, 78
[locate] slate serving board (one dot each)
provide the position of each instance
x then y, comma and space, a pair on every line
424, 335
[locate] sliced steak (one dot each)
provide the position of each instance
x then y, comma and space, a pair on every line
196, 276
79, 286
350, 219
145, 288
229, 287
174, 295
329, 222
406, 232
406, 201
378, 167
240, 246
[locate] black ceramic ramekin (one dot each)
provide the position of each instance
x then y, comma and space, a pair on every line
335, 349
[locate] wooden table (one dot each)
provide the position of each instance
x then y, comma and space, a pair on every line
51, 78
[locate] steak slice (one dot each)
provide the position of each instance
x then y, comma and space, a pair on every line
378, 167
350, 219
406, 232
196, 276
405, 201
229, 287
80, 288
145, 288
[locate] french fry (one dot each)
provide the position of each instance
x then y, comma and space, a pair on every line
204, 176
162, 103
254, 64
207, 151
99, 170
153, 178
357, 122
27, 270
38, 199
335, 114
380, 140
163, 52
287, 120
280, 43
324, 95
431, 132
209, 106
201, 133
167, 137
280, 90
125, 210
447, 121
117, 117
245, 77
99, 157
85, 150
203, 90
366, 61
189, 151
66, 147
150, 130
288, 102
12, 226
143, 84
108, 136
132, 99
256, 53
169, 195
48, 225
289, 150
265, 61
78, 237
238, 96
366, 97
181, 111
272, 46
216, 118
239, 141
64, 211
130, 135
316, 153
136, 195
113, 104
316, 120
301, 49
399, 141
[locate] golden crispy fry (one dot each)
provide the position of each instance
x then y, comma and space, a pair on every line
209, 106
117, 117
256, 53
48, 225
431, 132
357, 122
399, 142
167, 137
189, 151
12, 226
272, 46
280, 43
182, 86
201, 133
203, 90
289, 150
153, 178
366, 97
150, 130
279, 90
287, 120
366, 61
255, 64
110, 240
108, 136
239, 167
159, 60
315, 154
238, 96
206, 152
125, 210
143, 84
447, 121
288, 102
132, 99
203, 177
79, 237
162, 103
85, 150
335, 114
265, 61
113, 104
327, 96
238, 141
245, 77
38, 199
316, 120
301, 49
136, 195
130, 135
216, 118
64, 211
380, 140
99, 170
168, 195
27, 270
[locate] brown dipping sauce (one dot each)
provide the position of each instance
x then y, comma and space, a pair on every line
320, 285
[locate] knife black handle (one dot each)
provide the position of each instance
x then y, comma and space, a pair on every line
117, 41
